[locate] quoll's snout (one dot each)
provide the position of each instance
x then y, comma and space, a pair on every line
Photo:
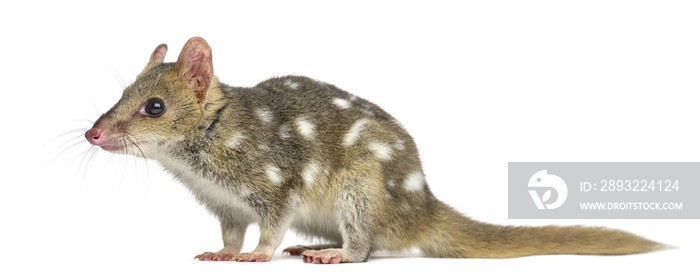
95, 136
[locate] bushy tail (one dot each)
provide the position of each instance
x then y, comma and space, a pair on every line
457, 236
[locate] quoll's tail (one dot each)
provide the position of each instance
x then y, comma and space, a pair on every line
457, 236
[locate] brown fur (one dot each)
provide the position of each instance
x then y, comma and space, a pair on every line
483, 240
295, 153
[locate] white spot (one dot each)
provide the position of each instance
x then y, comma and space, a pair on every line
310, 172
294, 200
264, 147
284, 131
326, 171
342, 103
391, 183
414, 181
274, 174
388, 195
305, 127
381, 150
204, 155
244, 191
235, 140
265, 115
353, 98
354, 132
404, 207
399, 144
291, 84
368, 110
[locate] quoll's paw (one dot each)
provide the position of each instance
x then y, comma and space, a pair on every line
252, 257
322, 256
210, 256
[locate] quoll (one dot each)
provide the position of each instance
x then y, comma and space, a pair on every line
297, 153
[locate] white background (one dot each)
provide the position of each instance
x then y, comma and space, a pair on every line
478, 84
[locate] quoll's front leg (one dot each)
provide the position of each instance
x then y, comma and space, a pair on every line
233, 234
271, 236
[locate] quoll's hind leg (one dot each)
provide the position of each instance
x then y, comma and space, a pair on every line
355, 217
232, 233
298, 249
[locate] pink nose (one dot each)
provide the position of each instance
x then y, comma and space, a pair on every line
95, 136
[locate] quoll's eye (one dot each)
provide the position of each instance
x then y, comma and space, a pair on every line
154, 107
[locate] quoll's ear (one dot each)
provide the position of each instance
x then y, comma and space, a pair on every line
158, 55
195, 65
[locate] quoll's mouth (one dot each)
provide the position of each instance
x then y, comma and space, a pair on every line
112, 147
98, 137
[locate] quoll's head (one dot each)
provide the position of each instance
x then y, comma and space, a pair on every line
165, 101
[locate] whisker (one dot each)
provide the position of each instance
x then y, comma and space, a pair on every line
66, 148
134, 157
123, 151
97, 111
108, 162
133, 143
145, 161
70, 132
78, 155
76, 130
84, 120
80, 138
118, 77
90, 154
